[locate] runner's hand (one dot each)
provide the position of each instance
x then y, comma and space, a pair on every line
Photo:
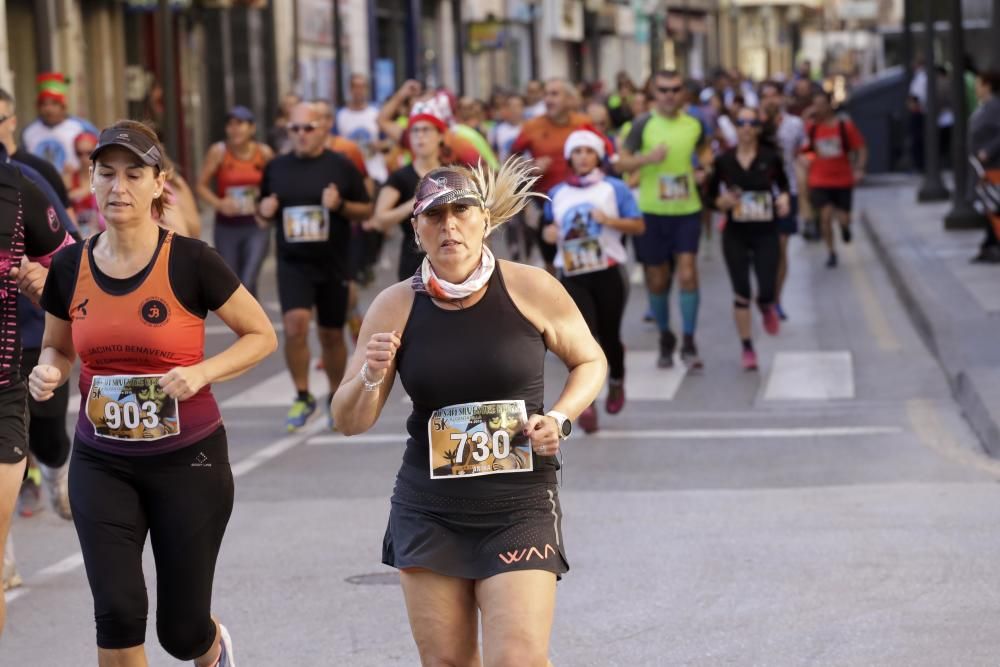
550, 234
784, 205
859, 175
657, 155
183, 382
43, 381
331, 197
727, 201
544, 435
380, 353
543, 163
599, 216
30, 278
229, 207
269, 206
412, 87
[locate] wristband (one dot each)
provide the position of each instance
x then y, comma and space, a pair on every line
369, 385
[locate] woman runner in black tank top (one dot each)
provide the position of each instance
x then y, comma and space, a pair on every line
475, 522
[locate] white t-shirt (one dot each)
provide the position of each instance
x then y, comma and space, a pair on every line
570, 208
55, 144
791, 136
502, 137
361, 127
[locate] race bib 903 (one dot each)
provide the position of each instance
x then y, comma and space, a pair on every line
132, 408
473, 439
306, 224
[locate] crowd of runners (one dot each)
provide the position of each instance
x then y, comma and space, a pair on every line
520, 218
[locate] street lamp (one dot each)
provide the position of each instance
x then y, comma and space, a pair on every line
962, 215
932, 188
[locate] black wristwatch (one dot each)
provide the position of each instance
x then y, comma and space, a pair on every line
563, 423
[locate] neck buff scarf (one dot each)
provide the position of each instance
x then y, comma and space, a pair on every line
595, 176
425, 281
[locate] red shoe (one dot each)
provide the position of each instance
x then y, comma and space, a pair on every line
616, 397
772, 323
749, 360
588, 419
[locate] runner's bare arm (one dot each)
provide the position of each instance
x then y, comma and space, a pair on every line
247, 319
546, 304
389, 211
208, 168
354, 409
387, 115
357, 210
630, 226
57, 346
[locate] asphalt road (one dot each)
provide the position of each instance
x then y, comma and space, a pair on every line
832, 509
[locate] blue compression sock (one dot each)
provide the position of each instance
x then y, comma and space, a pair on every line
660, 306
689, 310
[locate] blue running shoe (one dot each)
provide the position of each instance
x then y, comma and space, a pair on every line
299, 413
781, 312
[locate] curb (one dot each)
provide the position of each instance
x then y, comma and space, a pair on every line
942, 323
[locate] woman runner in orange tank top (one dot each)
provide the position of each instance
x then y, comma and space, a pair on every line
150, 456
237, 166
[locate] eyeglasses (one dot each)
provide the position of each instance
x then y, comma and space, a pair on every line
307, 127
743, 122
669, 89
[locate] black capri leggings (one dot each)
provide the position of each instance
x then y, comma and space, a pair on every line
183, 500
745, 244
47, 437
600, 296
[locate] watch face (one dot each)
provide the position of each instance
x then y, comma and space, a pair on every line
567, 428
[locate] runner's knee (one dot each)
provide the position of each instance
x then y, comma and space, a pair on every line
296, 325
183, 637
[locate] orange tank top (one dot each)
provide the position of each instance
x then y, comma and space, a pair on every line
126, 342
240, 180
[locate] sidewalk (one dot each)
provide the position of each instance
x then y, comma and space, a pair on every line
954, 304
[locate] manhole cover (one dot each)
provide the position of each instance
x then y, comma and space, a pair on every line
375, 579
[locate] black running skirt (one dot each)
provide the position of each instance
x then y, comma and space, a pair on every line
474, 538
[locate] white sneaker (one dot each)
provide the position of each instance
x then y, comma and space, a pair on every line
57, 486
11, 579
226, 644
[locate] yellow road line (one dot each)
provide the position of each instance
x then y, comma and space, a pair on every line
926, 422
878, 323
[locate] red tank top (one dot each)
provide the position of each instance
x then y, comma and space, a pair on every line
126, 343
240, 180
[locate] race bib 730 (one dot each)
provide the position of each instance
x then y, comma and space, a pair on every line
472, 439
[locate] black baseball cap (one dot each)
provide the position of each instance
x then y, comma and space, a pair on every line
136, 142
444, 186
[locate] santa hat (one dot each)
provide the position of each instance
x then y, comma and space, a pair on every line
587, 137
427, 117
52, 86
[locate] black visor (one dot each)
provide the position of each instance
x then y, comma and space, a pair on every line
136, 142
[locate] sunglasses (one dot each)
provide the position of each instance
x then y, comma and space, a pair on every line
84, 153
308, 127
669, 89
743, 122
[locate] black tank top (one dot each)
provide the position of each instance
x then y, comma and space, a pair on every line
486, 352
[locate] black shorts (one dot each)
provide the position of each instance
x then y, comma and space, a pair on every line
474, 538
14, 423
839, 198
307, 285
